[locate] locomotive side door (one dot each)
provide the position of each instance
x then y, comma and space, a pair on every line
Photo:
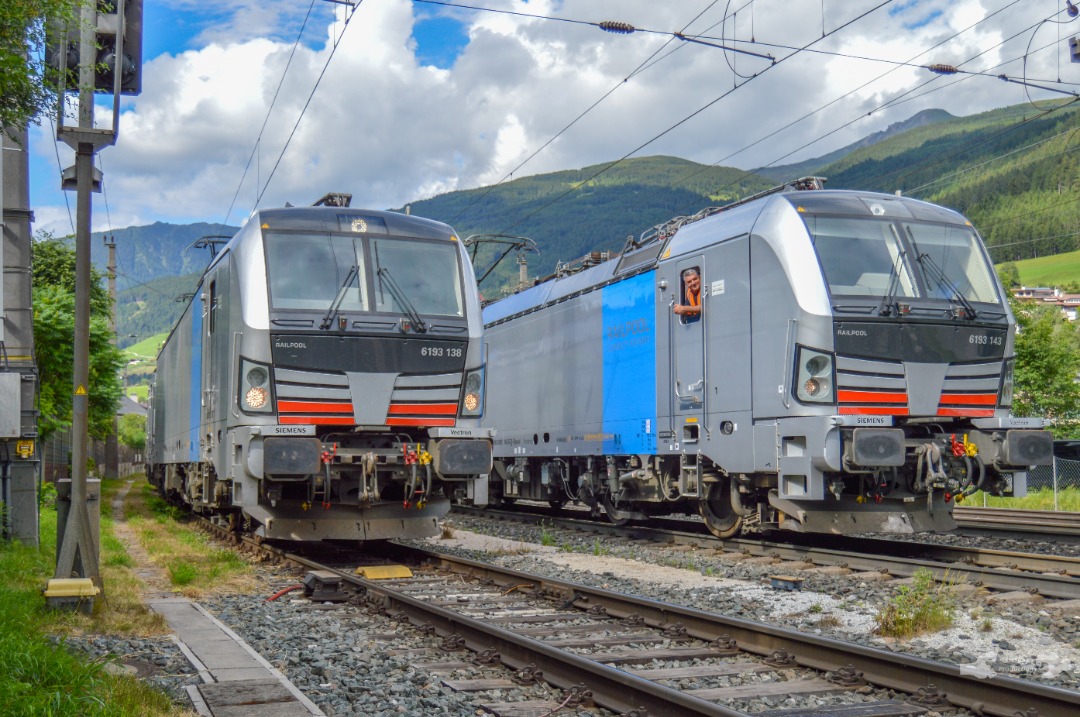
215, 359
687, 381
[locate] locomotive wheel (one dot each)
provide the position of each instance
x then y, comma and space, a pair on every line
720, 518
609, 510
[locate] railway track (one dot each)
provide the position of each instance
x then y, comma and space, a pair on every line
1050, 576
636, 656
1044, 522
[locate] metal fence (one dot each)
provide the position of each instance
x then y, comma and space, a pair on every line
1065, 473
56, 457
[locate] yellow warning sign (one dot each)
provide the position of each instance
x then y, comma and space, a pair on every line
24, 449
80, 391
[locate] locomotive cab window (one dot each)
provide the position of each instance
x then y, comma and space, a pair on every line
901, 259
862, 257
952, 262
421, 273
307, 271
211, 310
689, 306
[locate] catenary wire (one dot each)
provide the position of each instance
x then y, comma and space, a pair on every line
269, 112
348, 18
60, 171
758, 141
687, 118
883, 106
640, 68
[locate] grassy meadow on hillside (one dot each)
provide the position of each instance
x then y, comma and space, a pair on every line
1055, 270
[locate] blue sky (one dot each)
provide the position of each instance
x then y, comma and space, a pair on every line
416, 99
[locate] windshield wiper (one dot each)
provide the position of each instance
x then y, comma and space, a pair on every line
937, 275
399, 296
888, 300
328, 320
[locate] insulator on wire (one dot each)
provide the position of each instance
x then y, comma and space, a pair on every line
619, 28
943, 69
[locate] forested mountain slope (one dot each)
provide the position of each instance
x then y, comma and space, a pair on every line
1012, 171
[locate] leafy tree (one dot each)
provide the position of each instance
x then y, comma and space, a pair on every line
26, 88
131, 430
53, 273
1047, 362
1009, 274
54, 265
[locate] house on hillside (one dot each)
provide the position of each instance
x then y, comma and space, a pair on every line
1067, 303
1036, 293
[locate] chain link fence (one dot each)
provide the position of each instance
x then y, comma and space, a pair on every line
1065, 473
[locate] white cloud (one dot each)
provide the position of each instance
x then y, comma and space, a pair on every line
390, 130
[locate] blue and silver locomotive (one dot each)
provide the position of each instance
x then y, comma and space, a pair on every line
326, 381
847, 366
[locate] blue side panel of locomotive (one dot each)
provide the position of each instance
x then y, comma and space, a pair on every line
629, 368
195, 407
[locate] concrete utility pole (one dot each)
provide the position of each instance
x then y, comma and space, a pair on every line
112, 449
77, 549
18, 369
110, 61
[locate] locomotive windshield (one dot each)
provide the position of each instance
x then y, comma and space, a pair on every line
426, 272
309, 271
863, 256
306, 271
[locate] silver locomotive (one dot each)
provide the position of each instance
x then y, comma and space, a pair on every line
848, 368
326, 381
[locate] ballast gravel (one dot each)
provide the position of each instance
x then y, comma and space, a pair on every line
349, 662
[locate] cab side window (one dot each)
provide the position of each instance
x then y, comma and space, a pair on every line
690, 295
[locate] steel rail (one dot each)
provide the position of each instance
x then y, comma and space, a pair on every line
998, 695
1055, 522
1049, 576
617, 690
610, 687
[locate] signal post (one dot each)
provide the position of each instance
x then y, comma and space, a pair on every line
108, 53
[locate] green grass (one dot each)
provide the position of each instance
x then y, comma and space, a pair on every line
182, 573
925, 606
140, 391
40, 677
547, 535
1055, 270
1068, 500
147, 348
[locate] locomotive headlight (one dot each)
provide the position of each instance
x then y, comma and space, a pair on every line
255, 396
1005, 395
814, 381
817, 365
816, 388
472, 398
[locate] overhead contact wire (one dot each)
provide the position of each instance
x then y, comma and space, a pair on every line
348, 18
640, 68
690, 116
269, 112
